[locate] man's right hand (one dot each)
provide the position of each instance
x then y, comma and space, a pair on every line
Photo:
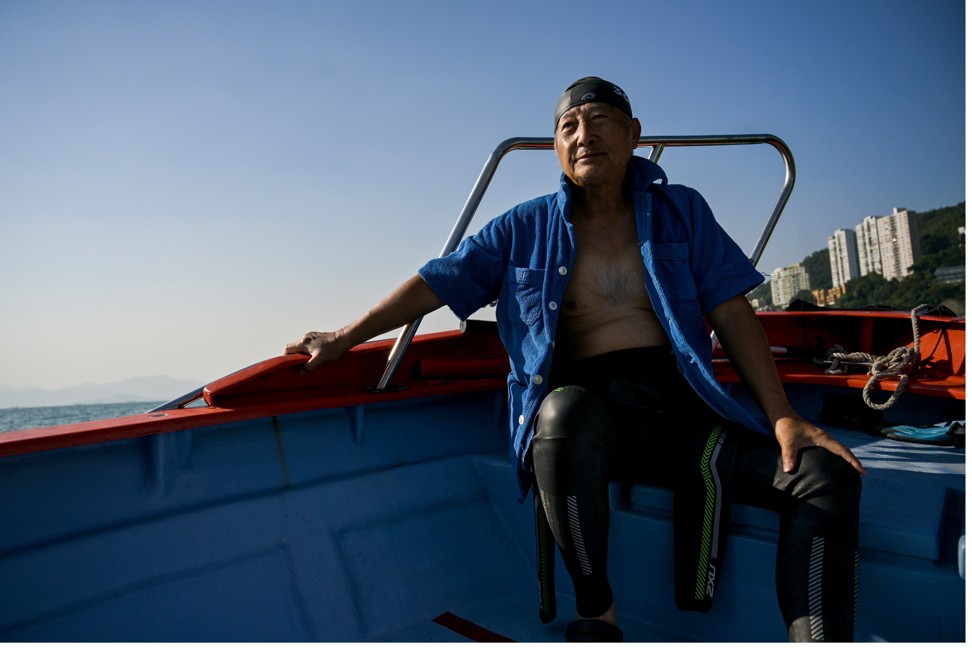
322, 347
411, 300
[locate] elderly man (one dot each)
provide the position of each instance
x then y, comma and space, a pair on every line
603, 289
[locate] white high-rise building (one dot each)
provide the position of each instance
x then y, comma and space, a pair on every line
888, 245
868, 248
898, 238
786, 282
844, 263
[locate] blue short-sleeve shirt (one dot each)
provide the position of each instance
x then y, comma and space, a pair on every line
522, 260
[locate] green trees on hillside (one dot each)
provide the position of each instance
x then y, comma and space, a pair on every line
817, 266
903, 294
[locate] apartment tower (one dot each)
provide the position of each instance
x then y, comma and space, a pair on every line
787, 282
888, 245
844, 263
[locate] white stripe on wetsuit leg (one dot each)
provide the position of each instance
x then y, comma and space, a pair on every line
816, 589
575, 534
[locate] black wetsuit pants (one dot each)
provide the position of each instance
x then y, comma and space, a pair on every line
625, 416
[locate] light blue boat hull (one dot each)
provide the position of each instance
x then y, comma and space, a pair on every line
367, 523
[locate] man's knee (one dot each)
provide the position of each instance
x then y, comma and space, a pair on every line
822, 472
573, 439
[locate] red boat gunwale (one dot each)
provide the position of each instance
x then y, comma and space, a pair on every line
451, 363
280, 386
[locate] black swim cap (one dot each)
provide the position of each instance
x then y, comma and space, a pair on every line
590, 89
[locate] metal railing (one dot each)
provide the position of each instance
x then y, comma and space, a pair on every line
657, 144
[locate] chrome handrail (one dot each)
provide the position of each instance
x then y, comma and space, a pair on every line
178, 403
658, 145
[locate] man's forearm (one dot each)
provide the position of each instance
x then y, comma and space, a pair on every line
744, 339
408, 302
745, 342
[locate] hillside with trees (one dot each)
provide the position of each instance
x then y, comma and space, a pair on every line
941, 247
817, 266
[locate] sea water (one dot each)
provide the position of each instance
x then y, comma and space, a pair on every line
25, 418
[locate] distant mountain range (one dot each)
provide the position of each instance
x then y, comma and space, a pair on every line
146, 389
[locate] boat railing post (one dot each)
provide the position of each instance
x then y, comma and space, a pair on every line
789, 180
657, 144
180, 402
455, 237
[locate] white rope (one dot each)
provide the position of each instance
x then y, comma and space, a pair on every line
900, 362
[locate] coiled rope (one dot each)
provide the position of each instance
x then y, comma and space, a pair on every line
900, 362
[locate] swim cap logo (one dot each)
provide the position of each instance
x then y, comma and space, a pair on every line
618, 91
590, 96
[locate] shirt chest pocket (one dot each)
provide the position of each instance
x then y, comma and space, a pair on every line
675, 270
527, 285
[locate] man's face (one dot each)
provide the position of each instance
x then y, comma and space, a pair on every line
594, 142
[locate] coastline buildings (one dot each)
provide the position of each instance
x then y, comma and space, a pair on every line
887, 245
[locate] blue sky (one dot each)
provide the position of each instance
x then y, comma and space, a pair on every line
185, 186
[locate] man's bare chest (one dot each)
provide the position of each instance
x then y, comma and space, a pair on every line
607, 275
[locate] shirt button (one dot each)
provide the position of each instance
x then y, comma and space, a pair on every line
552, 305
538, 379
521, 419
562, 270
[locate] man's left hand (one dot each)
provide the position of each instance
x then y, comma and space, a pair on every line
795, 433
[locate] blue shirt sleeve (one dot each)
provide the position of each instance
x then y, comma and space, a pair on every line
471, 277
